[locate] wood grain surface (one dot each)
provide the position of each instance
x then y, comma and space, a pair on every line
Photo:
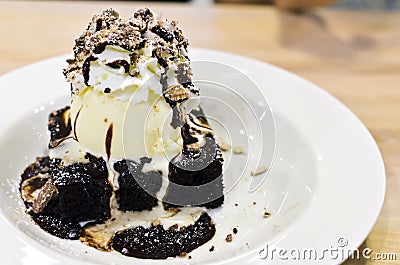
353, 55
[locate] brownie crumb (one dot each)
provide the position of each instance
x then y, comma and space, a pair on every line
266, 214
211, 249
235, 230
190, 257
107, 90
236, 204
105, 120
254, 203
229, 238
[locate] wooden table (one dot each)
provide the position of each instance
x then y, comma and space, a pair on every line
353, 55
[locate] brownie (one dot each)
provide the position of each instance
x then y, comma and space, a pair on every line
137, 190
68, 194
196, 180
156, 242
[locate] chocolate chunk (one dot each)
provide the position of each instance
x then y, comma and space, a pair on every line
229, 238
143, 14
163, 33
99, 24
44, 196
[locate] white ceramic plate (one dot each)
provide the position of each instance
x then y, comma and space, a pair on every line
325, 188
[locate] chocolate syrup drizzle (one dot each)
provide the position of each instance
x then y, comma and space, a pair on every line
120, 63
75, 122
109, 137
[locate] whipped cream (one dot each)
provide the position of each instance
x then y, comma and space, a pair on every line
129, 57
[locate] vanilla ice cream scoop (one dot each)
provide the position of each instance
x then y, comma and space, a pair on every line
129, 81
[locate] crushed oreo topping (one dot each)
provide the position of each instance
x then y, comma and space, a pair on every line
176, 93
163, 33
144, 30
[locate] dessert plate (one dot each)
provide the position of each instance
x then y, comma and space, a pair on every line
324, 190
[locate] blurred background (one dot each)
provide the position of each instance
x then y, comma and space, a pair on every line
340, 4
349, 4
369, 4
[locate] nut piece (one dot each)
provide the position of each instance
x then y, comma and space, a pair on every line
259, 171
266, 214
229, 238
176, 93
238, 150
224, 146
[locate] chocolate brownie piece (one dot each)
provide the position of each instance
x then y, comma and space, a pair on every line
137, 190
159, 243
196, 180
60, 196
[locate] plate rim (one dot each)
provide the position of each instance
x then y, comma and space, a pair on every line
201, 52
